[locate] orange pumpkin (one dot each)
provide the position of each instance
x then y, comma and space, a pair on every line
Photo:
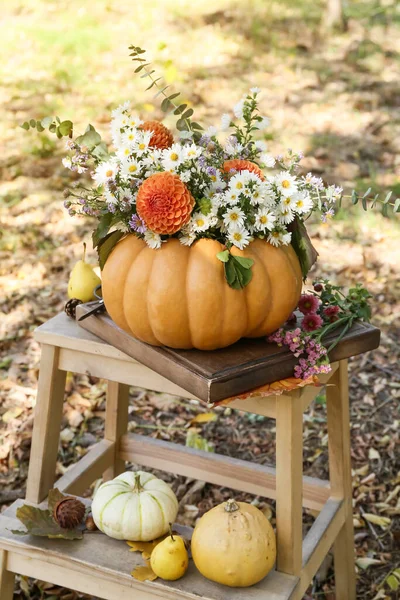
177, 296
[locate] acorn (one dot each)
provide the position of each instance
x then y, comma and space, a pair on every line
69, 513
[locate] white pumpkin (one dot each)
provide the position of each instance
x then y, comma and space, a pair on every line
135, 506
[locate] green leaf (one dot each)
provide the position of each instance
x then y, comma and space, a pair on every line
385, 210
236, 274
25, 126
223, 256
40, 522
100, 151
102, 229
306, 253
246, 263
196, 126
39, 126
387, 198
90, 138
166, 104
180, 109
393, 583
182, 125
188, 113
66, 128
354, 197
106, 245
364, 203
396, 207
32, 123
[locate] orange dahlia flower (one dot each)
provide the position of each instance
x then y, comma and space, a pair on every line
164, 203
242, 165
162, 137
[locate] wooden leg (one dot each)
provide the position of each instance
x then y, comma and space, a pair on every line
289, 484
47, 424
6, 578
340, 478
116, 423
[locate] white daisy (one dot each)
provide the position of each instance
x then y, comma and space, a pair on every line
125, 195
142, 142
275, 238
255, 90
232, 197
261, 145
303, 204
286, 238
238, 109
153, 240
237, 182
192, 152
286, 183
285, 215
239, 237
268, 160
104, 172
134, 122
185, 176
211, 131
172, 157
217, 183
187, 238
124, 152
129, 137
265, 220
289, 202
225, 122
129, 168
109, 196
234, 217
200, 222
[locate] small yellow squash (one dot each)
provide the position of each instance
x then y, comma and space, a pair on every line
234, 544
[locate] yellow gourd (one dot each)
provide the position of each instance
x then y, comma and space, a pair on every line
178, 296
234, 544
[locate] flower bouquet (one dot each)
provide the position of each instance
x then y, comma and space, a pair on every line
201, 238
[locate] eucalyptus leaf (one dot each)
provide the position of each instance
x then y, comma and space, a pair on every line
25, 126
107, 244
246, 263
66, 128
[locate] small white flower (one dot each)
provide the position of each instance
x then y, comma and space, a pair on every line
275, 238
265, 220
200, 222
211, 131
289, 202
234, 217
129, 168
232, 197
261, 145
125, 195
124, 152
238, 182
286, 183
187, 238
129, 137
333, 193
285, 215
217, 182
185, 176
81, 169
122, 109
67, 162
286, 238
263, 124
109, 196
255, 90
104, 172
268, 160
134, 122
303, 204
172, 157
153, 240
239, 237
238, 109
192, 152
142, 142
225, 122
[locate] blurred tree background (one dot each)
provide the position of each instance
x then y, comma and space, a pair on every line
330, 76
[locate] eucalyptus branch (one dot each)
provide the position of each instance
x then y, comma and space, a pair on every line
365, 198
184, 122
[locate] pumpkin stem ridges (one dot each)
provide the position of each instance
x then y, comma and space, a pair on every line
231, 505
138, 486
170, 532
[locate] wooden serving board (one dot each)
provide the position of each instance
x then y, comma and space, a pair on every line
219, 374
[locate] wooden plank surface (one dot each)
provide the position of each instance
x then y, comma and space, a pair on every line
218, 374
101, 566
225, 471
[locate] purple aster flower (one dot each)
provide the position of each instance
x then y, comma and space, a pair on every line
137, 224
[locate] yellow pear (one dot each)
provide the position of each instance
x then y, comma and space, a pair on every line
169, 559
83, 280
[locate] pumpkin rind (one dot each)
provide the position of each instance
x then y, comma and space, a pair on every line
123, 513
177, 296
237, 548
